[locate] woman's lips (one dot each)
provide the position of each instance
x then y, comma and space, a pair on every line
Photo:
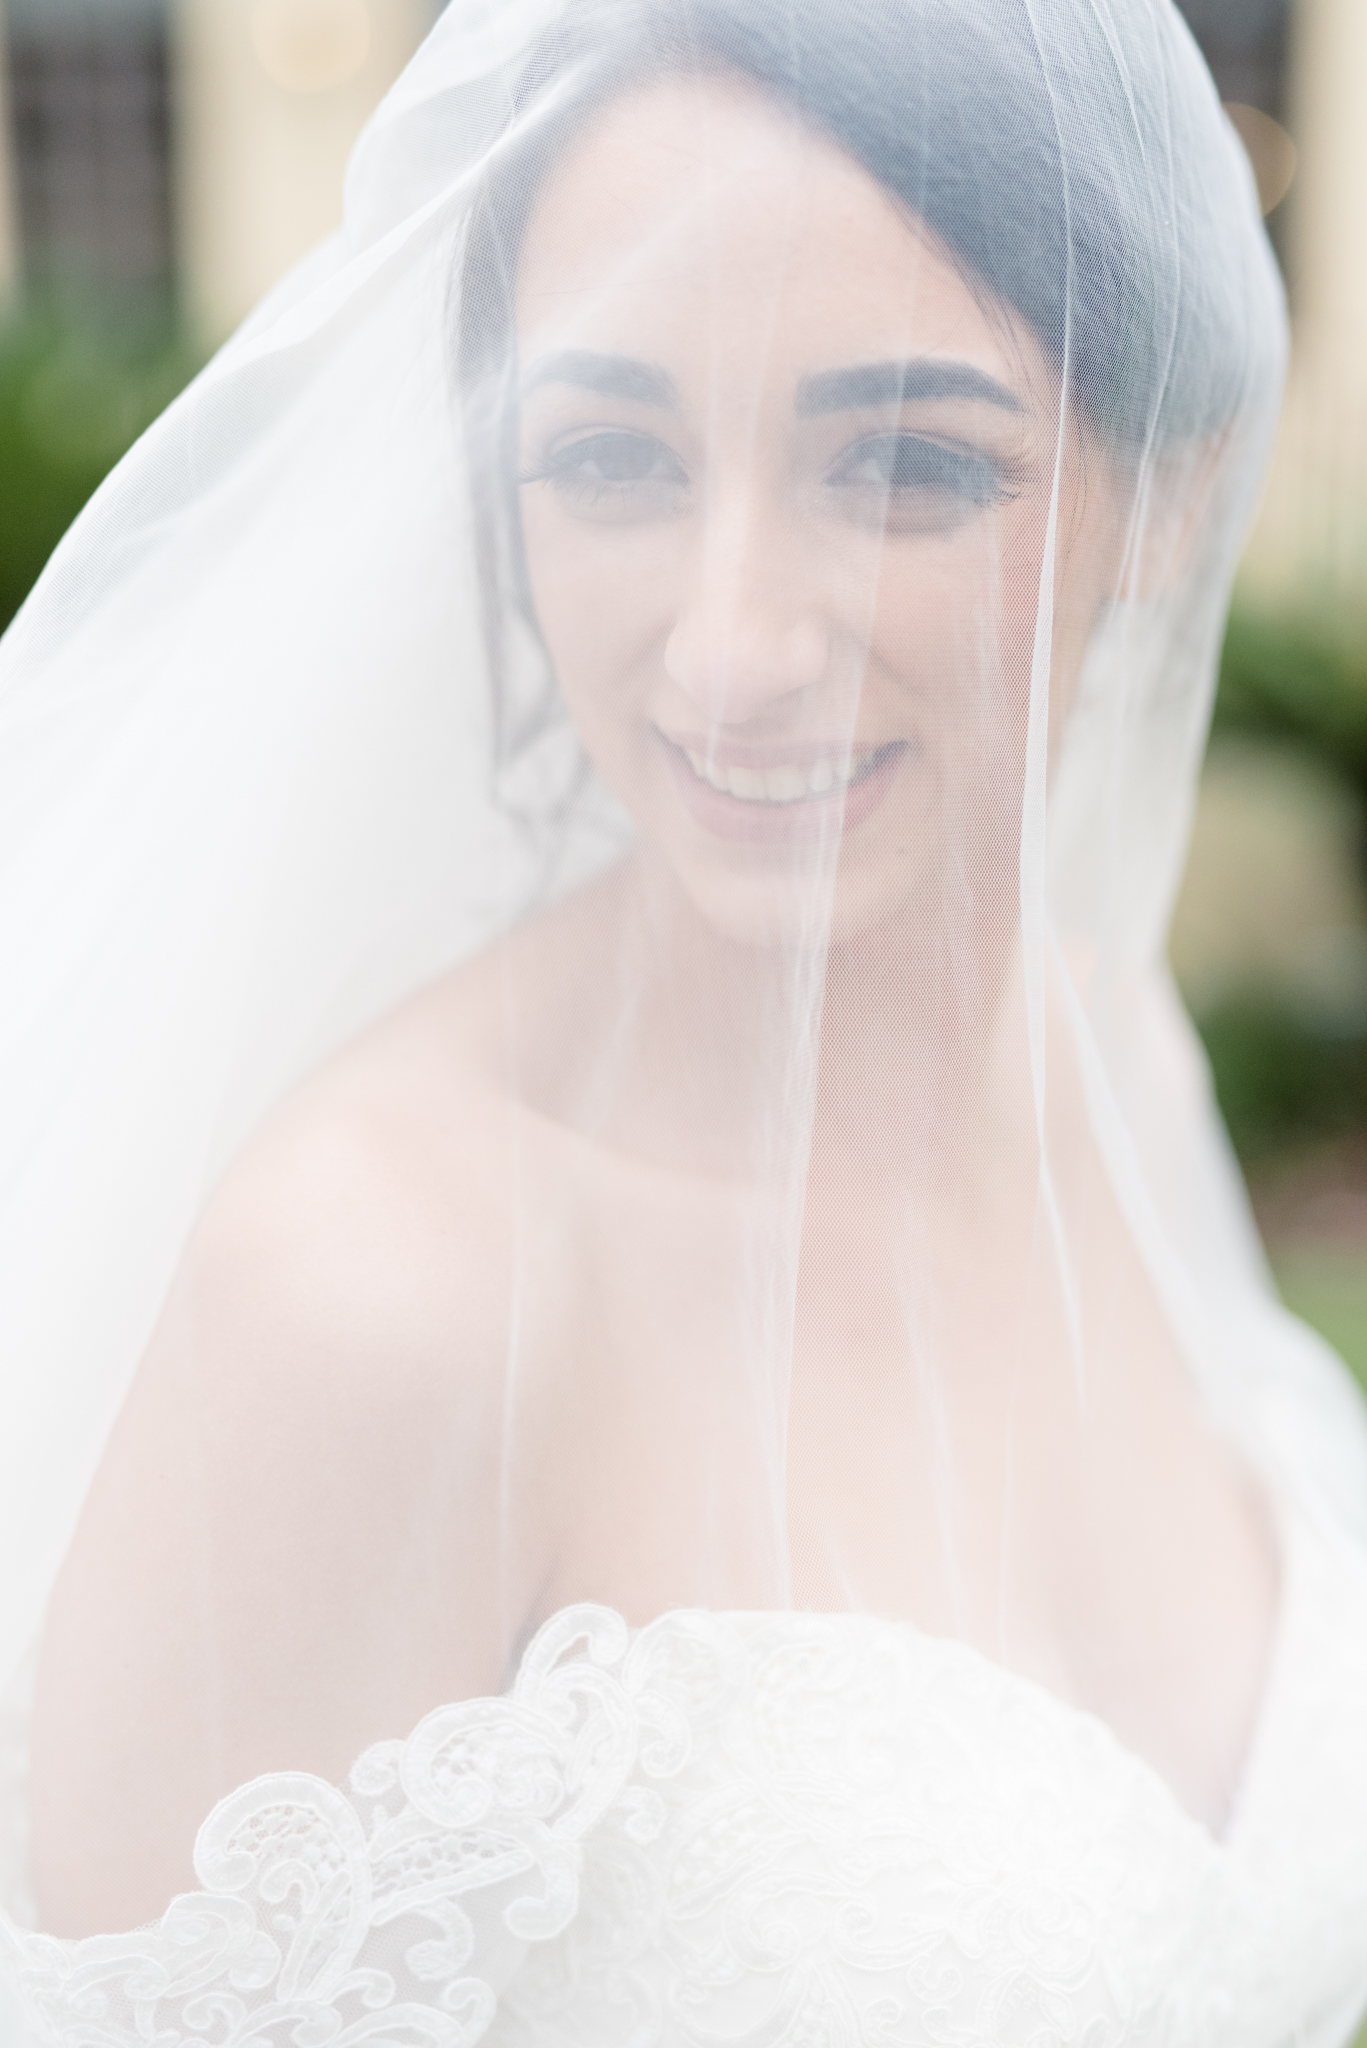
793, 794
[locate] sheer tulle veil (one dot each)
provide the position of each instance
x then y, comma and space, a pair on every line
281, 744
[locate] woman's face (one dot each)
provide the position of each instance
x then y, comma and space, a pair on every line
785, 487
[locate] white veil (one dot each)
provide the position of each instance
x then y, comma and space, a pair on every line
278, 749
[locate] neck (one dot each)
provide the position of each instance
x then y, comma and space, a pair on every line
870, 1051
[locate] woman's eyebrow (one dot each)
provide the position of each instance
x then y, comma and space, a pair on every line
610, 376
866, 384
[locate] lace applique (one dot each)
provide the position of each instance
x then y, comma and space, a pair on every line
767, 1831
347, 1918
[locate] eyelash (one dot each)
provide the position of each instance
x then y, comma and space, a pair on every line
936, 466
969, 478
564, 470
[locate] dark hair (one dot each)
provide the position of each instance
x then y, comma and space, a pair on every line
1054, 177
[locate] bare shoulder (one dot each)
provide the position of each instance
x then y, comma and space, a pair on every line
291, 1547
371, 1212
379, 1196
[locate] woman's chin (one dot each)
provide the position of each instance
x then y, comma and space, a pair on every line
770, 876
802, 913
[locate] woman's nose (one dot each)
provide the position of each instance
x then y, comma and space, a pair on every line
747, 635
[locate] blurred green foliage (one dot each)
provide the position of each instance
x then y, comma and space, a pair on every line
1329, 1290
1287, 1077
1290, 1074
1299, 681
78, 383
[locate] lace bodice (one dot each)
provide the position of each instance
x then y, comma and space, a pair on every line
773, 1829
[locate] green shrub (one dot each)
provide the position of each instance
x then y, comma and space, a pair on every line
76, 390
1284, 1077
1300, 682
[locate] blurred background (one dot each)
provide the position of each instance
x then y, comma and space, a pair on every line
162, 162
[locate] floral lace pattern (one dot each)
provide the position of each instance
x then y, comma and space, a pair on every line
785, 1830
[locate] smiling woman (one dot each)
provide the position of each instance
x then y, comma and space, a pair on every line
657, 1262
789, 477
798, 434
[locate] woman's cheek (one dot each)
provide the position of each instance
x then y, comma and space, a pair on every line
596, 587
916, 636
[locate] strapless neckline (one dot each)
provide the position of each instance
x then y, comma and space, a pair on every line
771, 1828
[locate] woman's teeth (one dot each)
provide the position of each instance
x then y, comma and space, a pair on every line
788, 783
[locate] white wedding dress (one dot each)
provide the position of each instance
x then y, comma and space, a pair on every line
282, 741
795, 1830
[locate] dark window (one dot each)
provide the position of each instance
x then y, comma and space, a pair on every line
90, 93
89, 81
1245, 45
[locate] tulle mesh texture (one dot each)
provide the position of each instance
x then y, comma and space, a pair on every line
588, 826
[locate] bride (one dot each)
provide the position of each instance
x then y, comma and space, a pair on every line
639, 1402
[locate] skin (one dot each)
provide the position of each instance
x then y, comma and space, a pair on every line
524, 1201
783, 601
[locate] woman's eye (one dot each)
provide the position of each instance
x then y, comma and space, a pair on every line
619, 473
912, 485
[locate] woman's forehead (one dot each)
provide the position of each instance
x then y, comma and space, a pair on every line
701, 223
